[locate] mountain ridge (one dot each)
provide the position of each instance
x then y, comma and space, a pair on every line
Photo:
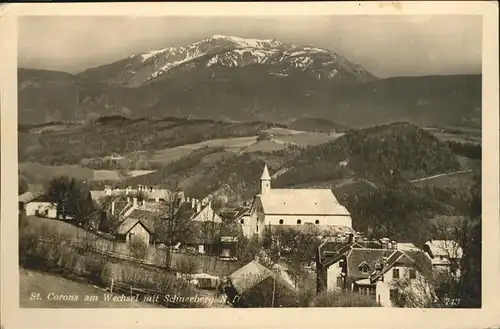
225, 79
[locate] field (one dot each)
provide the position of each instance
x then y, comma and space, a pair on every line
456, 134
309, 138
42, 283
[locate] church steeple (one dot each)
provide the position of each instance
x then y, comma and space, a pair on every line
265, 181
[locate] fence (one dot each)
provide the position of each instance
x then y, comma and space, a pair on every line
159, 297
156, 257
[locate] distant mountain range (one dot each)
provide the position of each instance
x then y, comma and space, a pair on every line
235, 79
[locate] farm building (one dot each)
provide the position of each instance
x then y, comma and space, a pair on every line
37, 204
295, 207
252, 286
139, 224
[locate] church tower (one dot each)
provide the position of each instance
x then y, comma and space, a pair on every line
265, 182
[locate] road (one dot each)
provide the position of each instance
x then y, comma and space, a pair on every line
440, 175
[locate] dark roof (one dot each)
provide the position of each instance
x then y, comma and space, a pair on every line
235, 214
146, 218
371, 256
422, 261
332, 252
418, 259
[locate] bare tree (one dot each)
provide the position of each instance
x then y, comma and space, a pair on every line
175, 223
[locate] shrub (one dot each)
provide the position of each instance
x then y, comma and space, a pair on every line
138, 248
342, 299
94, 267
187, 264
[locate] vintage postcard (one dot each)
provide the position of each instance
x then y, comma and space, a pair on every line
250, 164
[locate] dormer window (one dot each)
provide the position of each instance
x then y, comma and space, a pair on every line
242, 221
364, 267
317, 221
281, 221
299, 222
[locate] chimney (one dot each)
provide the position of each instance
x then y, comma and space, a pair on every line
107, 190
385, 243
135, 202
350, 238
394, 245
193, 203
128, 190
143, 203
128, 199
157, 199
198, 206
113, 207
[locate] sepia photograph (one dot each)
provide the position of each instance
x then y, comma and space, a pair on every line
250, 161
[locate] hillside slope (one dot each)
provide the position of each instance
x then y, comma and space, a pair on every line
397, 151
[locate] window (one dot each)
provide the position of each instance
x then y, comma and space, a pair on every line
395, 273
413, 273
364, 267
242, 221
299, 221
281, 221
317, 221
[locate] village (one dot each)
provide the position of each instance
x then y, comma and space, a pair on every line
159, 222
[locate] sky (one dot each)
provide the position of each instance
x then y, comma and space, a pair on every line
387, 46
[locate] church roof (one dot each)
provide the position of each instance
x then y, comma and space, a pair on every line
265, 174
302, 202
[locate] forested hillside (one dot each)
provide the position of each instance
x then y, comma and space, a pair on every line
397, 151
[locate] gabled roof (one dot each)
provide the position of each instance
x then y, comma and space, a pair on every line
252, 274
30, 196
146, 218
302, 202
207, 214
422, 261
337, 251
445, 248
370, 256
418, 259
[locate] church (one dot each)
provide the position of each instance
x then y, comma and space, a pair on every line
295, 207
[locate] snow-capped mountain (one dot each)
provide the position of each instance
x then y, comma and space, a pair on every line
232, 52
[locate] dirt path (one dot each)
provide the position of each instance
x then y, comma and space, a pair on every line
440, 175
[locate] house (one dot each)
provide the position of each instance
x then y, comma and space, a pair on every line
369, 267
204, 212
138, 224
296, 207
37, 204
239, 215
445, 255
413, 271
243, 286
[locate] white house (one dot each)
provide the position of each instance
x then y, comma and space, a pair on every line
445, 255
37, 204
295, 207
405, 272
